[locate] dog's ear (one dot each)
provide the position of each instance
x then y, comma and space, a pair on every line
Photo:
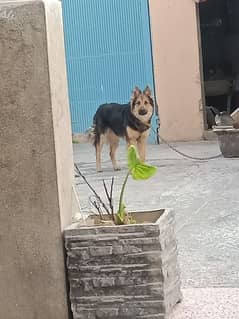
147, 91
136, 92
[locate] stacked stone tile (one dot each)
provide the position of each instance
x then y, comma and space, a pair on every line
123, 271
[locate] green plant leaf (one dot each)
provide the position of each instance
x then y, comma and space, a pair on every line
143, 171
133, 159
139, 170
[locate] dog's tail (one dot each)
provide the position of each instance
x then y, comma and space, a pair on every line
94, 132
91, 134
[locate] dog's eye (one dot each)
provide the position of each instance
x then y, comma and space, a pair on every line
146, 102
138, 103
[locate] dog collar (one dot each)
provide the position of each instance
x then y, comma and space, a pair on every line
139, 126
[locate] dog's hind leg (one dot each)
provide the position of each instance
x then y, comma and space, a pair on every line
113, 140
98, 149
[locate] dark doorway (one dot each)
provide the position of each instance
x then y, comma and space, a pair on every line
219, 26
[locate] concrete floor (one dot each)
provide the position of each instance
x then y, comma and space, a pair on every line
205, 198
208, 303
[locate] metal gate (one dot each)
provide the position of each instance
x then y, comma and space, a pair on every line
108, 52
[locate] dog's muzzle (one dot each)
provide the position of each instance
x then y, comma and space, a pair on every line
143, 112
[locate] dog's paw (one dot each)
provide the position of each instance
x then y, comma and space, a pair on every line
117, 169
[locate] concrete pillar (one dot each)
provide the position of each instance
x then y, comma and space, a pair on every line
177, 68
36, 162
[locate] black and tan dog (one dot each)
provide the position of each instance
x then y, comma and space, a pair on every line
130, 121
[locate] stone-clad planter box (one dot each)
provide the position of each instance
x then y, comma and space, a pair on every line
127, 271
228, 138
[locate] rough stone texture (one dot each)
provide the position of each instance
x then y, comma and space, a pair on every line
123, 271
228, 141
36, 172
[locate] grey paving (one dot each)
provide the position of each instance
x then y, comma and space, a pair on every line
208, 303
204, 195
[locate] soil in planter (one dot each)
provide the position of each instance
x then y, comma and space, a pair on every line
148, 217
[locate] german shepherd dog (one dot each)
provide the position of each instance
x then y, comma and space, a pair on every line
129, 121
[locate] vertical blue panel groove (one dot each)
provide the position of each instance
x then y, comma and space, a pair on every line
108, 53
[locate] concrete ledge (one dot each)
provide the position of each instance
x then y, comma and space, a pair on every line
36, 163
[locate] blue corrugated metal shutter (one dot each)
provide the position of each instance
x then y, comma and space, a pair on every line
108, 52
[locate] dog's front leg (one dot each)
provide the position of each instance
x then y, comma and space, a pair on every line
131, 141
142, 141
131, 137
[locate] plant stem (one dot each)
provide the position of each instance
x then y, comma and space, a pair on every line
122, 191
97, 207
109, 197
92, 189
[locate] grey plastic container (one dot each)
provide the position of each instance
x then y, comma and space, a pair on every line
228, 138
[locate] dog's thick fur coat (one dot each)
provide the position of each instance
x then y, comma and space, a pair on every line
130, 121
